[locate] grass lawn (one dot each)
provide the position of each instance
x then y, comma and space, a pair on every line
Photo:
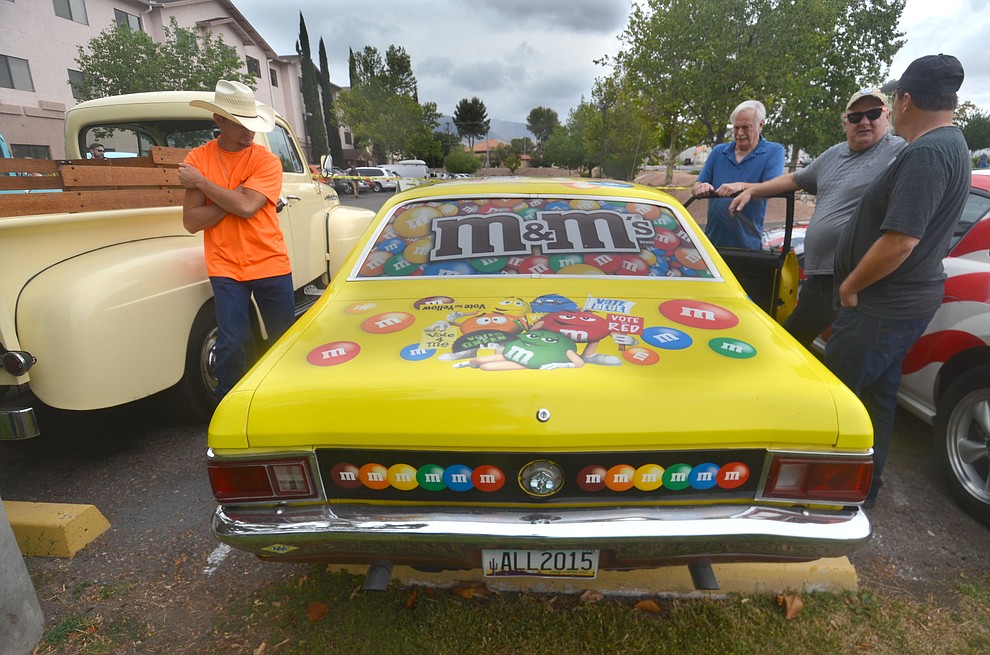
325, 612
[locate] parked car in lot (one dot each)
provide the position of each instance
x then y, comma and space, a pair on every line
539, 378
379, 178
336, 179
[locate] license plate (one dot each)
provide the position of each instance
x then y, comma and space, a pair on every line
540, 563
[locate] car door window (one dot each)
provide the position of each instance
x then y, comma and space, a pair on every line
281, 144
976, 208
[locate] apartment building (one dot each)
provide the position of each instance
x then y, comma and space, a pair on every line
38, 50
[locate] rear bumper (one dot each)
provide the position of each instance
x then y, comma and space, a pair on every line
446, 537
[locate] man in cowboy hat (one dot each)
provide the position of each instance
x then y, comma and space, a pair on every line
232, 187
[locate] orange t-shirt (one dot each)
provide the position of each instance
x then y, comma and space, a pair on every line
244, 248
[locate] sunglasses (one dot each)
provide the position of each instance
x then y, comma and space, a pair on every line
855, 117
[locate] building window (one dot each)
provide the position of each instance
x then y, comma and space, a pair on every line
125, 19
34, 152
77, 77
348, 140
274, 75
15, 74
253, 66
74, 10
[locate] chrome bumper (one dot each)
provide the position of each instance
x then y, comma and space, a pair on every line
449, 537
18, 423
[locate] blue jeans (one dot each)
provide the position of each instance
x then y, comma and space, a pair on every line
814, 311
866, 353
232, 302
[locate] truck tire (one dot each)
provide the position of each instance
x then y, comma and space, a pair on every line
193, 398
962, 441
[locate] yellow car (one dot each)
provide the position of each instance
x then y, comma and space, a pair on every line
539, 378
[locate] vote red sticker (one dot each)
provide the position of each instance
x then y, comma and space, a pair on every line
695, 313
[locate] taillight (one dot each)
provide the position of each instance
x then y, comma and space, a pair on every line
819, 479
282, 479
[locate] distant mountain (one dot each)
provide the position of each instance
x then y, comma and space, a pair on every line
499, 129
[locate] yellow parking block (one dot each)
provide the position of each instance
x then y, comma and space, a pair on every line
54, 529
833, 575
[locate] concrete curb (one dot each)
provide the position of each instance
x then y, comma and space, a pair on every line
54, 529
833, 575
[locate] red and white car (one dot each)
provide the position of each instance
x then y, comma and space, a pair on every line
946, 375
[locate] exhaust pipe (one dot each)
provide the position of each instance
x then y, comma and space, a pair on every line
703, 576
378, 576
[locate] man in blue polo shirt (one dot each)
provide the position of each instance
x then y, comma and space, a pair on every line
734, 166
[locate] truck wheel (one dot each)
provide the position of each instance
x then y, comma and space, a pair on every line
962, 441
193, 397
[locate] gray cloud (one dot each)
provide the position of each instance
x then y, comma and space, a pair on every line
519, 54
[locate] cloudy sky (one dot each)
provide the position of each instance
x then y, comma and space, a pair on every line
519, 54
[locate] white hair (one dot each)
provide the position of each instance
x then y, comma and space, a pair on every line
754, 106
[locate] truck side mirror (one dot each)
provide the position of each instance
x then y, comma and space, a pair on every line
326, 165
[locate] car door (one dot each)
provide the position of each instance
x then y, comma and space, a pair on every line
302, 216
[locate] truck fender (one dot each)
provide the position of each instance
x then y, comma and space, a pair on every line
112, 325
344, 228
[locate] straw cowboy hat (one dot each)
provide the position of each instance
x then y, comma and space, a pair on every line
235, 101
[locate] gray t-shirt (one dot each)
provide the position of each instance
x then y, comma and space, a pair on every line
921, 194
838, 178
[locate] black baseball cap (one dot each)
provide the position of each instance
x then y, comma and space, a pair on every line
932, 74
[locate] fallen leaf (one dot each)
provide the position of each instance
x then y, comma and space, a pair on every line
316, 611
411, 600
590, 596
792, 605
261, 649
648, 606
470, 592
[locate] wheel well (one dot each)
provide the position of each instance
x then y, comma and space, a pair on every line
957, 365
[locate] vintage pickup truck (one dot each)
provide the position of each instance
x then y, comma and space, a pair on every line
104, 297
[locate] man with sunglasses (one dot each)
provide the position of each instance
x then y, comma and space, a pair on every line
837, 178
888, 261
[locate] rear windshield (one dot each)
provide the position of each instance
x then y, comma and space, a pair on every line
534, 237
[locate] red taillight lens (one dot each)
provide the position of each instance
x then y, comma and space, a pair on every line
261, 480
827, 480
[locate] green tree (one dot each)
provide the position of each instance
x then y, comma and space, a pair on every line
542, 121
471, 119
524, 146
381, 107
461, 161
316, 129
976, 130
399, 78
565, 147
512, 161
329, 115
801, 58
624, 125
121, 60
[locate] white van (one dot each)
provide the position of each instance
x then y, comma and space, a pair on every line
410, 168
